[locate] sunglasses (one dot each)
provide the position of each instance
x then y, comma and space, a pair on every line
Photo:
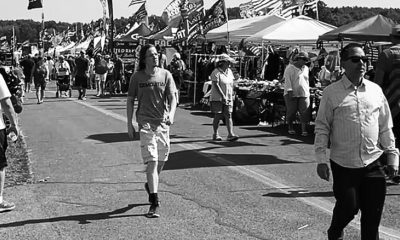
356, 59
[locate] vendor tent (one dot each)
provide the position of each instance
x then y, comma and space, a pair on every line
298, 30
237, 29
376, 28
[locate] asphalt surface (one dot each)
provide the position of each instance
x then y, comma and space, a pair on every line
88, 180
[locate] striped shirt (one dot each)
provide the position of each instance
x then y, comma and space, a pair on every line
358, 124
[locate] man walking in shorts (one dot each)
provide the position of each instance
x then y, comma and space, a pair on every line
7, 108
155, 91
82, 75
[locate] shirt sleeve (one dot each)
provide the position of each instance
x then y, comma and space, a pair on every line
386, 136
4, 92
287, 77
323, 128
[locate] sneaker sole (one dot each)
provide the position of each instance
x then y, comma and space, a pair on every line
6, 209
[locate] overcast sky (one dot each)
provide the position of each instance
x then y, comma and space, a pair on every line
87, 10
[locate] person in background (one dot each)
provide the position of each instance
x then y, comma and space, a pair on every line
92, 75
39, 78
162, 58
155, 91
119, 71
8, 110
354, 116
221, 98
100, 69
28, 66
63, 71
177, 67
50, 67
297, 92
81, 75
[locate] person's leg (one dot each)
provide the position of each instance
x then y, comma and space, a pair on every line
227, 111
304, 109
346, 185
216, 120
4, 205
2, 180
37, 93
372, 199
42, 91
216, 108
291, 108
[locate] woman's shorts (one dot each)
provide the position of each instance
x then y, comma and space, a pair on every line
154, 143
219, 107
40, 84
3, 148
101, 77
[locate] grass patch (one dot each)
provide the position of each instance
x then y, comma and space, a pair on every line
18, 170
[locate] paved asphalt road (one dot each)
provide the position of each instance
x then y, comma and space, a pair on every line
89, 180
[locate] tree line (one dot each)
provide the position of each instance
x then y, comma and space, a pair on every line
338, 16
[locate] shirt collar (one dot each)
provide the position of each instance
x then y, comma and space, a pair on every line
348, 84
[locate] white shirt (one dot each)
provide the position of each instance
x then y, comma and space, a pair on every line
4, 93
296, 80
358, 123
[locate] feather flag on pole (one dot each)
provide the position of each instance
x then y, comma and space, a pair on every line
35, 4
140, 14
215, 16
133, 2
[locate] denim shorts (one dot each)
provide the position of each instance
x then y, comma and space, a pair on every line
3, 148
154, 143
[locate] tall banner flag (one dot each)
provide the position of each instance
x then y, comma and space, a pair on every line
133, 2
35, 4
215, 16
195, 17
310, 5
171, 11
105, 8
140, 14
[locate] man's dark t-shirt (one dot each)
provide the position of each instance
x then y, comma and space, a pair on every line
82, 66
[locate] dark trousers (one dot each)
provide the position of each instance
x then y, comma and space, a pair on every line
361, 189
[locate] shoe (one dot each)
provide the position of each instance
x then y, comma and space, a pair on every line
6, 206
98, 95
38, 102
146, 186
262, 124
217, 137
232, 138
304, 134
83, 99
41, 101
154, 211
291, 132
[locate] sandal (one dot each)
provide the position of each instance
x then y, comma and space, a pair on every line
217, 137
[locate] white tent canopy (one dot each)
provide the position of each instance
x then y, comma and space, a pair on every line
298, 30
242, 28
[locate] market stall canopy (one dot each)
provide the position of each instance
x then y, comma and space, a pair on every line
376, 28
141, 31
242, 28
298, 30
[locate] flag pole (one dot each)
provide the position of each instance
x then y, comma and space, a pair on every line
42, 33
317, 10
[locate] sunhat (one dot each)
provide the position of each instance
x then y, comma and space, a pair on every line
225, 58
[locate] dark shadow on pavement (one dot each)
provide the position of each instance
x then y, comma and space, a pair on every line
202, 113
112, 137
298, 194
192, 159
81, 218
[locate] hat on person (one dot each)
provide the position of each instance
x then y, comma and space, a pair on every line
225, 58
301, 55
177, 55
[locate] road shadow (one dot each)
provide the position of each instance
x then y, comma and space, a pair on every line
281, 130
81, 218
202, 113
189, 159
112, 137
299, 194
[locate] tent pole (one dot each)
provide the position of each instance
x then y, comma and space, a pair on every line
195, 81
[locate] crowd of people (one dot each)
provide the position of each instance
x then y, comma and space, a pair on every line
354, 118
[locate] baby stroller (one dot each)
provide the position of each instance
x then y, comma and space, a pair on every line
63, 83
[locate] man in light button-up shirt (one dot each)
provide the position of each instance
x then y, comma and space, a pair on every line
355, 117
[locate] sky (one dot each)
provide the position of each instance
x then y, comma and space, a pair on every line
87, 10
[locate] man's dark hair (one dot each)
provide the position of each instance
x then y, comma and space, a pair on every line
344, 54
142, 56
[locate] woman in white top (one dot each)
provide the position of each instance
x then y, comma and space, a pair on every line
221, 99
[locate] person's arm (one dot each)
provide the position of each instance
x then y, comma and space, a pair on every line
215, 81
130, 108
387, 139
322, 131
288, 82
172, 99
